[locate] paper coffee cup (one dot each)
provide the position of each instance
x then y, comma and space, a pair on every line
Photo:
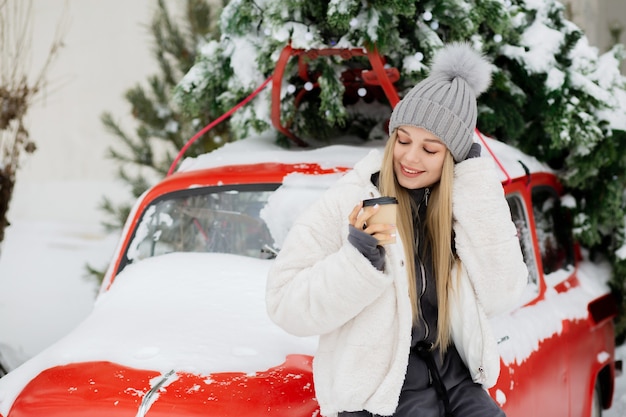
386, 213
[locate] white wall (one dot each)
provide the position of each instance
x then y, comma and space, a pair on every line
596, 17
107, 51
584, 13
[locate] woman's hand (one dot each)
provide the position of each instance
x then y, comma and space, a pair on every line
384, 233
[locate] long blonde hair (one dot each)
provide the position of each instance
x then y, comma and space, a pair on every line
439, 234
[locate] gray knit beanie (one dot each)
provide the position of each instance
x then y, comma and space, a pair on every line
444, 103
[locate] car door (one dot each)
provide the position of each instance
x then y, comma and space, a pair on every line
515, 388
534, 379
557, 266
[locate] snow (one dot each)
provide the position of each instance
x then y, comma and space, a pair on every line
143, 296
414, 63
263, 149
244, 49
43, 291
524, 329
146, 322
543, 44
297, 192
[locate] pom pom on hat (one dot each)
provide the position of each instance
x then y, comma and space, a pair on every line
444, 103
460, 60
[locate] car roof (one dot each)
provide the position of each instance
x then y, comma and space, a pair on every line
344, 154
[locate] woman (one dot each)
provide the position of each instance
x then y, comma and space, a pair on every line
403, 327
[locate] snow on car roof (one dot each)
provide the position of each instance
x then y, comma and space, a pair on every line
263, 148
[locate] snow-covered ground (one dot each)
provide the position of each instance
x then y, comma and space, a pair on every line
44, 291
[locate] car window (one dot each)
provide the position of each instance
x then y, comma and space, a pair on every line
553, 234
520, 219
246, 219
209, 219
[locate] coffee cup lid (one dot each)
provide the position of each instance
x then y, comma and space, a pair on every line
380, 200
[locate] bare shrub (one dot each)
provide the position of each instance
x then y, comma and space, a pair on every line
20, 87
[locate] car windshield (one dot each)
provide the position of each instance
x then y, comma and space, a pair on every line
210, 219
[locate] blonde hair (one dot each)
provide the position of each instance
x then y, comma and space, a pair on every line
439, 234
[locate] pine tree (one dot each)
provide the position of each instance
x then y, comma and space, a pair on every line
553, 95
162, 129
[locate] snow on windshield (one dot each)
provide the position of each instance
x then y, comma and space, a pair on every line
296, 194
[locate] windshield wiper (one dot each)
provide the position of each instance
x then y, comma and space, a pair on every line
268, 249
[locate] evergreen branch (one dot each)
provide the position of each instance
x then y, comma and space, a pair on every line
200, 17
113, 127
117, 214
172, 40
169, 76
94, 274
160, 91
138, 182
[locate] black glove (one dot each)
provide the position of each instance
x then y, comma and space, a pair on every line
474, 151
367, 245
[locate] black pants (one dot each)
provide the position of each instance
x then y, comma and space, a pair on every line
419, 397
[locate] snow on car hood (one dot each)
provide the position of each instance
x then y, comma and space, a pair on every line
195, 312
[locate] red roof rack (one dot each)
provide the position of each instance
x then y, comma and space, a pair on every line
378, 76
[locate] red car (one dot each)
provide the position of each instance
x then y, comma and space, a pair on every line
180, 327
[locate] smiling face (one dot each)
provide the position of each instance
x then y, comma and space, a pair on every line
418, 157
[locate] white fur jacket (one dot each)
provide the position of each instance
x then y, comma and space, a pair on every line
320, 284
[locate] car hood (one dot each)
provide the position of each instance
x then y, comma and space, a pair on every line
104, 389
195, 314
